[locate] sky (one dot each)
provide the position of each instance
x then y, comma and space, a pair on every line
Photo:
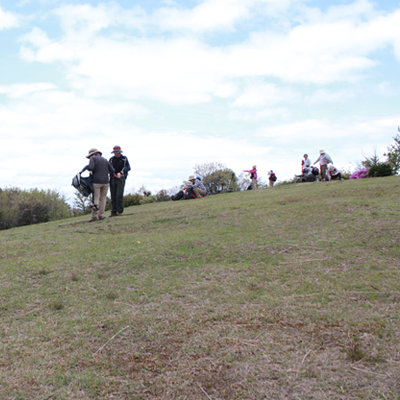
179, 83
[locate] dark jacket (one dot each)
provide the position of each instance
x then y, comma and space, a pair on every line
100, 169
120, 164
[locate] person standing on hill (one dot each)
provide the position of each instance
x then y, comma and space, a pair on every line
121, 166
324, 159
253, 176
100, 169
271, 178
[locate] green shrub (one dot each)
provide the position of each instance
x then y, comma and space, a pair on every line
381, 169
147, 200
25, 207
132, 200
162, 195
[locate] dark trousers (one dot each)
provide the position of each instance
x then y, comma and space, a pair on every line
338, 176
117, 186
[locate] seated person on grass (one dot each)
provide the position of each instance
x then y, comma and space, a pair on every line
198, 188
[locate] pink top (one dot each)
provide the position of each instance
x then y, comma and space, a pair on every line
254, 172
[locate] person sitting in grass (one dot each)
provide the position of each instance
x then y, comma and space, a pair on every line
198, 188
334, 173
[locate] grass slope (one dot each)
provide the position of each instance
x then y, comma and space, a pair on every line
286, 293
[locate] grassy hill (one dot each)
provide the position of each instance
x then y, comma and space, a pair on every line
286, 293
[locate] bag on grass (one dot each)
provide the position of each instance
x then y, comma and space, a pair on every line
189, 194
178, 196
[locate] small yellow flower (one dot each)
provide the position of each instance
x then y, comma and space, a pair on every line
138, 242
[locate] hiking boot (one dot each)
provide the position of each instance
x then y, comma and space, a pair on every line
113, 214
119, 214
93, 219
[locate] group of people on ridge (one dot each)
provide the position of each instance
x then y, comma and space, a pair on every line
114, 172
309, 172
327, 170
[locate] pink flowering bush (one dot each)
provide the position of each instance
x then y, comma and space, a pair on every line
362, 173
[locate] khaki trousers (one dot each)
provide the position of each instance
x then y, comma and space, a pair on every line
198, 192
323, 171
254, 183
99, 199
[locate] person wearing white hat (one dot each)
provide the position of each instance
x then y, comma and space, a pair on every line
334, 173
198, 187
100, 169
253, 176
324, 159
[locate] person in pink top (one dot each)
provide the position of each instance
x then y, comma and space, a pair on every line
253, 176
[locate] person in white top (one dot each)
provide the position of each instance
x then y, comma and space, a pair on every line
306, 163
324, 159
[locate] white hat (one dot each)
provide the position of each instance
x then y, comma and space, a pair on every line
331, 167
191, 178
93, 151
321, 151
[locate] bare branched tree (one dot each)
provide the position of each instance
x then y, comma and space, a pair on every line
81, 203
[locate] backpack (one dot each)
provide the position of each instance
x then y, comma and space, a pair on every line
83, 185
273, 177
189, 194
315, 171
178, 196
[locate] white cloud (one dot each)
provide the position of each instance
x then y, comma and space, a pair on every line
208, 15
23, 89
357, 11
259, 114
322, 96
258, 93
8, 20
387, 89
186, 70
